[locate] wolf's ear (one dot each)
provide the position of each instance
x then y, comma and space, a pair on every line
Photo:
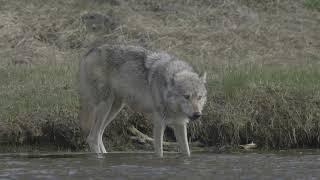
203, 77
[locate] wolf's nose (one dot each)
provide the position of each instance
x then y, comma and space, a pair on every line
196, 115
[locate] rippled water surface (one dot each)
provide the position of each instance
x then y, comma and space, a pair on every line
172, 166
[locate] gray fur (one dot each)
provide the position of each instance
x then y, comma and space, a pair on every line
156, 84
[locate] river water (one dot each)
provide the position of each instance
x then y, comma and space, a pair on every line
118, 166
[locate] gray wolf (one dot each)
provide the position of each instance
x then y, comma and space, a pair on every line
156, 84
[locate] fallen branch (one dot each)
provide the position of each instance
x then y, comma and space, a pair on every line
139, 136
142, 138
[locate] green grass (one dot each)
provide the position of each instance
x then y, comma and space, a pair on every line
35, 97
277, 107
303, 79
312, 4
33, 88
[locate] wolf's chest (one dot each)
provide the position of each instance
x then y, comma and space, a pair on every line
140, 102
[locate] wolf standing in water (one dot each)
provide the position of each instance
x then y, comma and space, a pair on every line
156, 84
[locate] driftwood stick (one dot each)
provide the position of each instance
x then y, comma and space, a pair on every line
144, 138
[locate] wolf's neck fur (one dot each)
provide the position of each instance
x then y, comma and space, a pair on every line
169, 65
155, 60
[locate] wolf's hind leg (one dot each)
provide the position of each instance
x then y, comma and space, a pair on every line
101, 112
115, 109
180, 131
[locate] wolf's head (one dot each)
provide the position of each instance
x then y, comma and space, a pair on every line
187, 94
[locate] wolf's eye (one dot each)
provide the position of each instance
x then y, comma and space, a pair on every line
199, 97
186, 96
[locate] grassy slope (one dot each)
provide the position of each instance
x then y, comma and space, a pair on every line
262, 59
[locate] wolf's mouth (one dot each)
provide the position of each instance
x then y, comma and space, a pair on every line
192, 118
195, 116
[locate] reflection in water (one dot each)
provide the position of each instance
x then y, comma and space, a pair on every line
172, 166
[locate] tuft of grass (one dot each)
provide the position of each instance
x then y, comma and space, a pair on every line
312, 4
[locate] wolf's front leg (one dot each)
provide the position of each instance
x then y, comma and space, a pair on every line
180, 131
158, 130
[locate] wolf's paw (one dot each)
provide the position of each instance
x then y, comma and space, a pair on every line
94, 146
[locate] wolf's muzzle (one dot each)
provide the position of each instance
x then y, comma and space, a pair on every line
195, 115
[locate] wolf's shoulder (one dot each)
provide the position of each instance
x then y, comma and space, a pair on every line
155, 58
170, 62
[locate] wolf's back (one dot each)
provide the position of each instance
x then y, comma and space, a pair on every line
118, 55
155, 57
